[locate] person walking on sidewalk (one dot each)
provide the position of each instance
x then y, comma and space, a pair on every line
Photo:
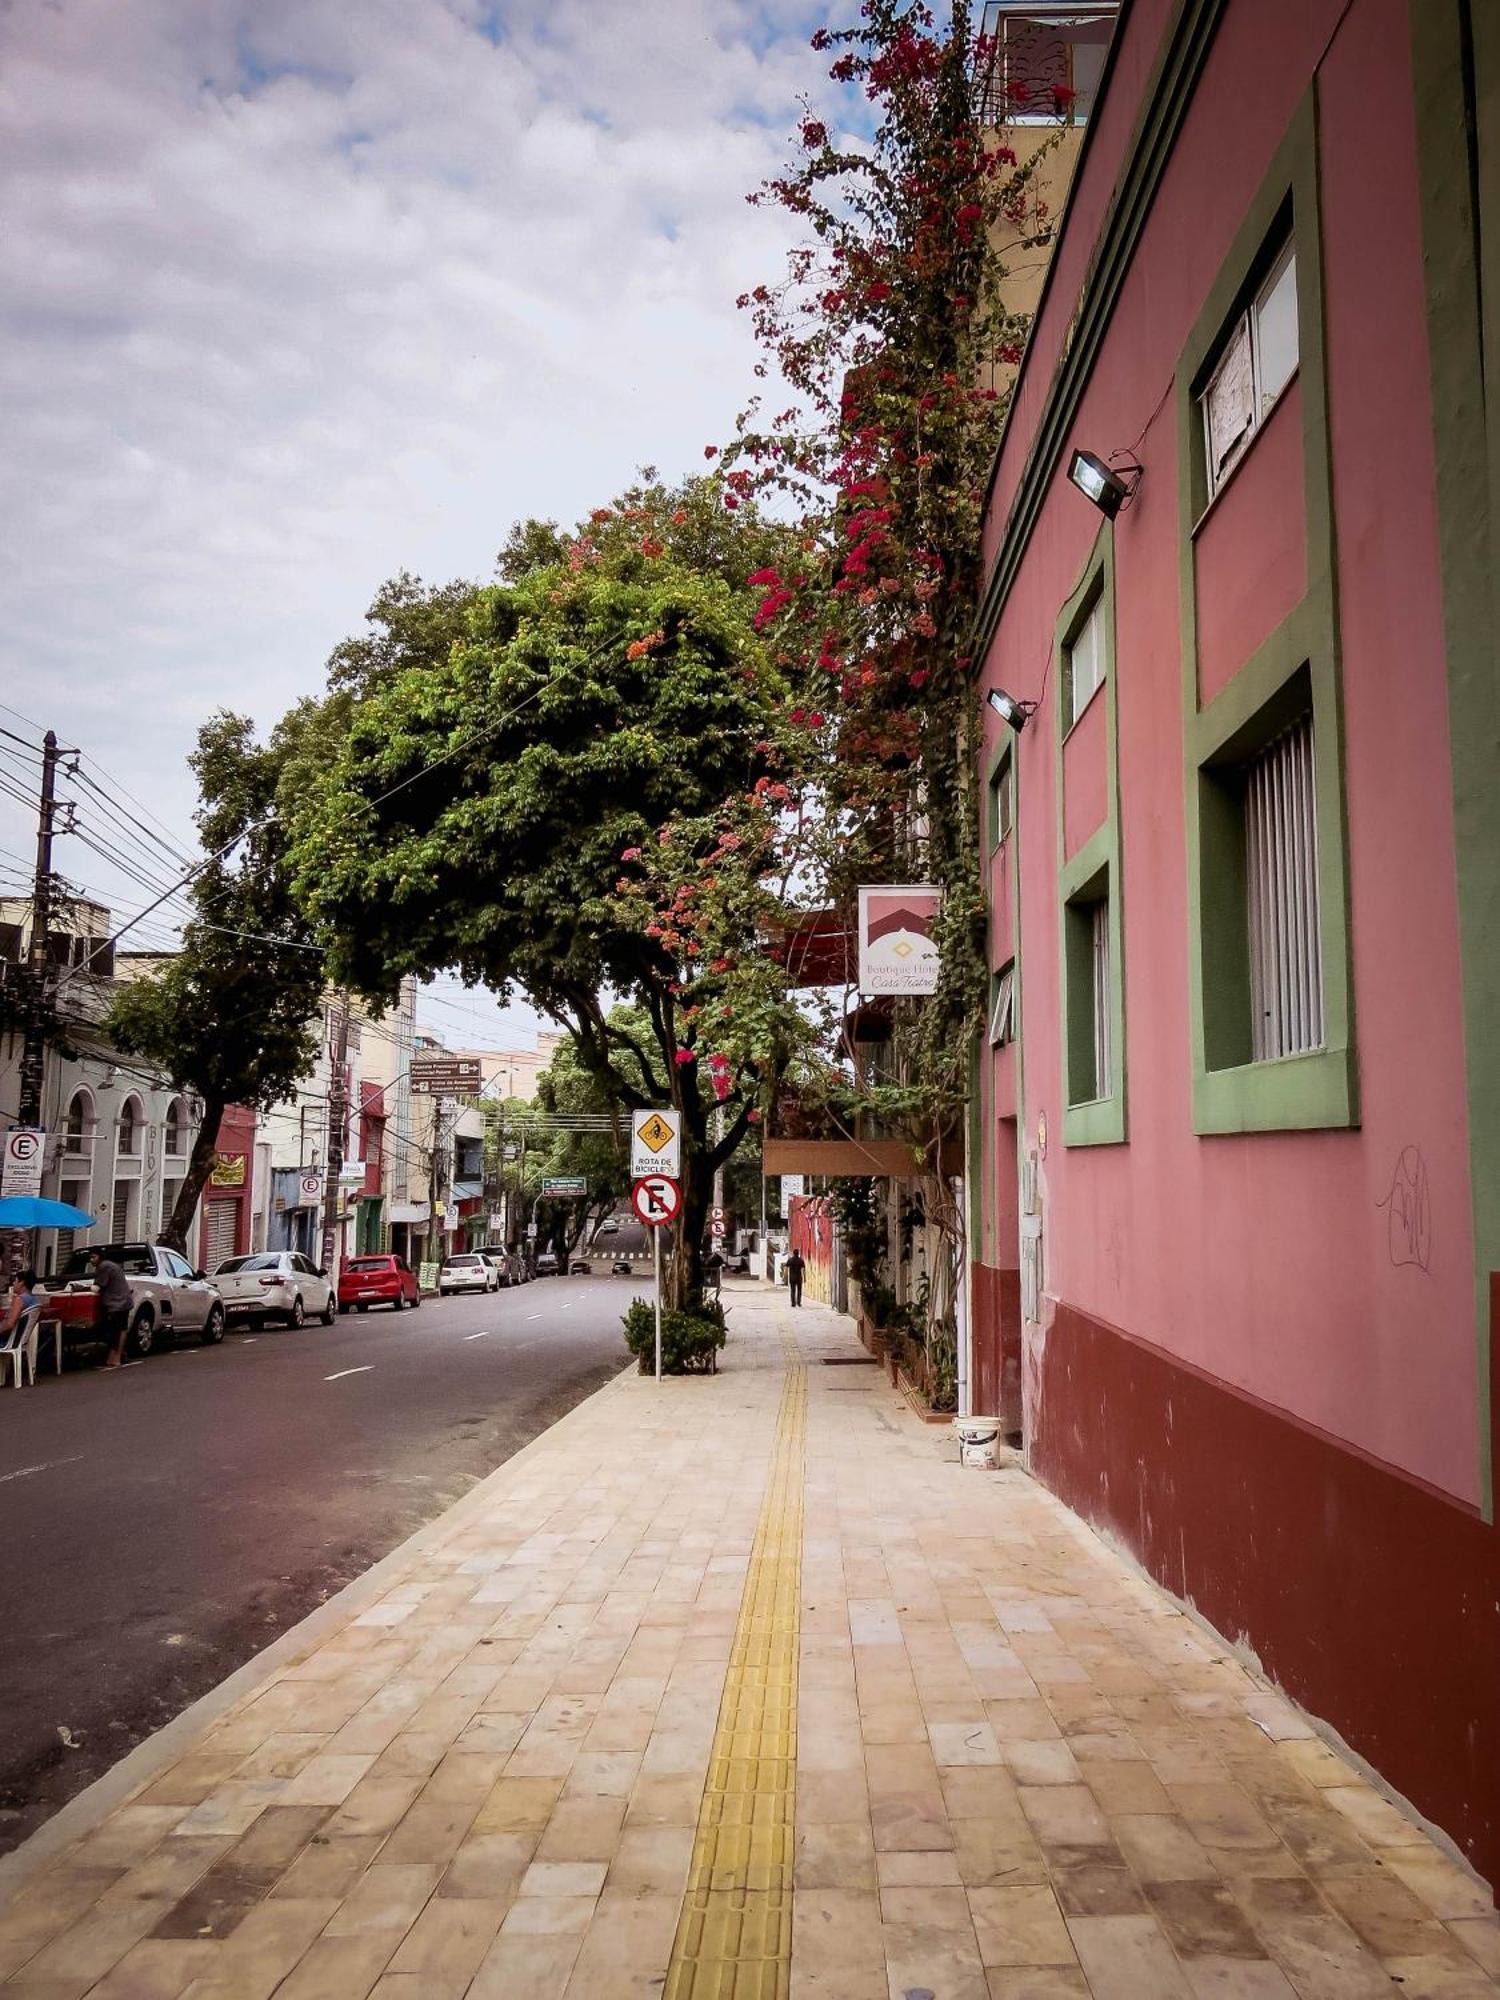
113, 1288
794, 1269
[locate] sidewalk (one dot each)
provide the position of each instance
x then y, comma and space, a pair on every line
740, 1687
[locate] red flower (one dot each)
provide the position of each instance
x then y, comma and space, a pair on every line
730, 502
631, 854
685, 1056
710, 451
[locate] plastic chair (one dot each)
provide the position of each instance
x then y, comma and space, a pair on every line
18, 1348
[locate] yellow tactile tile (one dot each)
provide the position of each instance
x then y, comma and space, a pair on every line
734, 1937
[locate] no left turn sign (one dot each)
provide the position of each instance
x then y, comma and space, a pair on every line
656, 1198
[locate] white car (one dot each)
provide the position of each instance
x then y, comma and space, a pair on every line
466, 1271
275, 1284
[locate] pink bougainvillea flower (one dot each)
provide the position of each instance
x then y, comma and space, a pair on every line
730, 502
631, 854
710, 451
685, 1056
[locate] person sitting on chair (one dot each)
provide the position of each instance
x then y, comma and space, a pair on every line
23, 1296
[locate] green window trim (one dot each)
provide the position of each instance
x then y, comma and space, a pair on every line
1296, 667
1008, 952
1091, 875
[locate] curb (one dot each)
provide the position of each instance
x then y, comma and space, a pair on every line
83, 1813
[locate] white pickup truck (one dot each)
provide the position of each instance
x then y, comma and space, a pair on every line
168, 1298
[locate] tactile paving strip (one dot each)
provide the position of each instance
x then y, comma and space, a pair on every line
734, 1937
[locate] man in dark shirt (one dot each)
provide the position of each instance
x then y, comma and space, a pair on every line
114, 1306
794, 1270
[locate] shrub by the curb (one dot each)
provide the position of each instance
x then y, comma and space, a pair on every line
690, 1339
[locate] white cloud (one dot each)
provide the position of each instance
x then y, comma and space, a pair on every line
295, 293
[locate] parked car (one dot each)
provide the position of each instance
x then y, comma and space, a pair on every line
465, 1271
168, 1298
499, 1267
621, 1267
377, 1281
546, 1264
276, 1284
580, 1268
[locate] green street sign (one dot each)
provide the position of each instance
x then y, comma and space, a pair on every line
566, 1187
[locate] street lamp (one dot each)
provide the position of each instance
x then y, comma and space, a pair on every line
1109, 486
1009, 708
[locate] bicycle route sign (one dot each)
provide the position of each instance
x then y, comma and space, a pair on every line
655, 1144
656, 1198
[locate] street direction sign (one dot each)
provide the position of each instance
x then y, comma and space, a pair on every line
440, 1075
655, 1143
565, 1186
656, 1198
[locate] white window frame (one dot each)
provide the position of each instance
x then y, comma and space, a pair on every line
1002, 804
1003, 1007
1092, 622
1262, 400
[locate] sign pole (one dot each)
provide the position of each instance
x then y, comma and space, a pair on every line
656, 1246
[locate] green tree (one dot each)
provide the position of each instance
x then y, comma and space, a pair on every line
492, 812
599, 1158
232, 1016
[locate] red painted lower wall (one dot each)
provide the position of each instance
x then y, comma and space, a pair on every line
995, 1345
1373, 1600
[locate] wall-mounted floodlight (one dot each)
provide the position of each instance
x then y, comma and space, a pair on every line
1009, 709
1109, 486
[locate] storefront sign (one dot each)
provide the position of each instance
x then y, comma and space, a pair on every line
897, 947
228, 1171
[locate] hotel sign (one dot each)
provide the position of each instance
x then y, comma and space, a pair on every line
898, 951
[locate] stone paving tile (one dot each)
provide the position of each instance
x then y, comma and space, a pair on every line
1023, 1774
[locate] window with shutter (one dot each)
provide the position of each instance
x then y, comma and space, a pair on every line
1281, 880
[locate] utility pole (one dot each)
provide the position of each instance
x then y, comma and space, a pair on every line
34, 1052
338, 1109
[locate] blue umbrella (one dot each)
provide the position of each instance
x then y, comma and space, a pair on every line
26, 1211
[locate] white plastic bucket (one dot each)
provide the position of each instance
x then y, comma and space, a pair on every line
978, 1441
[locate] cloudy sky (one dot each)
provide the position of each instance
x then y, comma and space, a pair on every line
297, 293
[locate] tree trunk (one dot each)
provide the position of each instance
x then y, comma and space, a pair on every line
200, 1166
684, 1278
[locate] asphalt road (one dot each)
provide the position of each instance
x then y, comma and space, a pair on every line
160, 1524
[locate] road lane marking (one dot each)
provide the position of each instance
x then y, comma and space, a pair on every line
349, 1371
480, 1336
533, 1315
47, 1465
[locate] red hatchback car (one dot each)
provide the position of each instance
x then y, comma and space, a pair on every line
377, 1281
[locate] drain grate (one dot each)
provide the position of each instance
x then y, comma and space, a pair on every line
850, 1361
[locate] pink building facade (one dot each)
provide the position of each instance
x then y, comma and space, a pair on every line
1236, 1134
